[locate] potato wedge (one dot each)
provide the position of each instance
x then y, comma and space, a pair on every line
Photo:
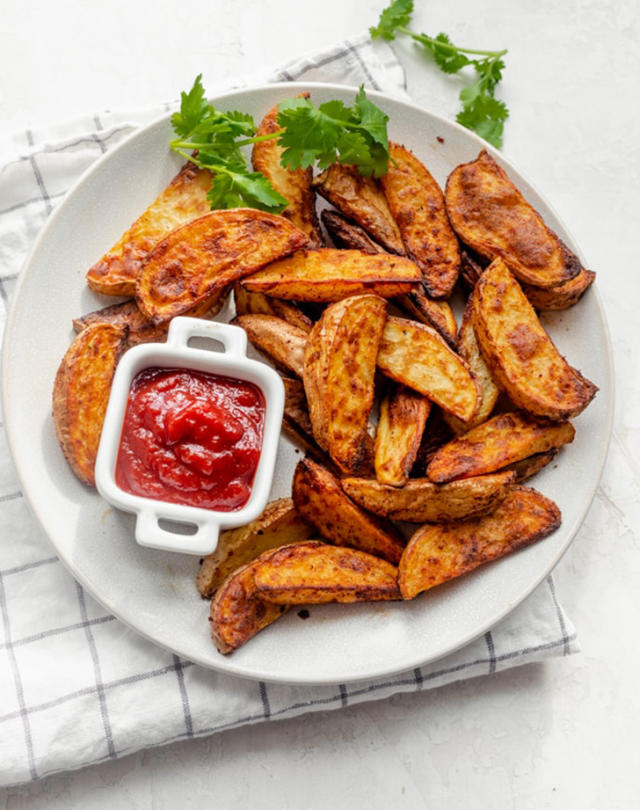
351, 370
422, 501
248, 303
531, 465
416, 203
436, 554
316, 370
562, 296
81, 393
489, 214
293, 184
314, 573
469, 350
184, 199
296, 422
330, 275
520, 354
437, 314
277, 526
321, 501
194, 261
237, 610
348, 236
403, 415
416, 356
502, 440
471, 267
282, 342
362, 200
141, 329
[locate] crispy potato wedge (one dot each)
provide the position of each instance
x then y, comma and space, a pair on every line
436, 433
362, 200
520, 354
422, 501
277, 526
403, 415
528, 467
190, 264
293, 184
81, 393
437, 314
469, 350
350, 385
321, 501
141, 329
416, 203
184, 199
471, 267
280, 340
296, 422
248, 303
502, 440
316, 370
314, 573
562, 296
416, 356
490, 215
237, 610
330, 275
348, 236
436, 554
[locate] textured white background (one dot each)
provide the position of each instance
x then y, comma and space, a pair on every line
559, 735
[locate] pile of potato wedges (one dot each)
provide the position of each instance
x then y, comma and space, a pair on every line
418, 432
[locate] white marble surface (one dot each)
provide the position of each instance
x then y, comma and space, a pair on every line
559, 735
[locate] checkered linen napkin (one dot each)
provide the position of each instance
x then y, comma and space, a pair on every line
77, 687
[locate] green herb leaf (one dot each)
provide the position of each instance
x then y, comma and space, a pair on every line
396, 15
480, 112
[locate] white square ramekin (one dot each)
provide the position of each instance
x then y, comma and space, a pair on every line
204, 524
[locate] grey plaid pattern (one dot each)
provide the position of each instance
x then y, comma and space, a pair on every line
77, 687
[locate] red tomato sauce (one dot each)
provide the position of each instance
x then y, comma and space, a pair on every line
192, 438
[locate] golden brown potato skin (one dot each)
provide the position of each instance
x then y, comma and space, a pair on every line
237, 611
293, 184
329, 274
81, 393
416, 203
562, 296
248, 303
436, 554
520, 354
362, 200
315, 573
489, 214
493, 445
184, 199
196, 260
422, 501
280, 340
350, 384
139, 328
437, 314
348, 236
278, 525
321, 501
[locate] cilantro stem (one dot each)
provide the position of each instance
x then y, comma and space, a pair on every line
445, 46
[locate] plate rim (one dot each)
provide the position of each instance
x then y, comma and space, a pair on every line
226, 665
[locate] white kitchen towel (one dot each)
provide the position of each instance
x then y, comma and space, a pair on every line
77, 687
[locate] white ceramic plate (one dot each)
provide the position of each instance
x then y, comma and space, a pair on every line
153, 591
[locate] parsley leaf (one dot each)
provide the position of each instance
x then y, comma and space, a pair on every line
480, 112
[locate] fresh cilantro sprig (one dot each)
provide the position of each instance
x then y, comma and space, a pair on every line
309, 136
481, 111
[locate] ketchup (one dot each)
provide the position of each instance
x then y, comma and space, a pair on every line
192, 438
